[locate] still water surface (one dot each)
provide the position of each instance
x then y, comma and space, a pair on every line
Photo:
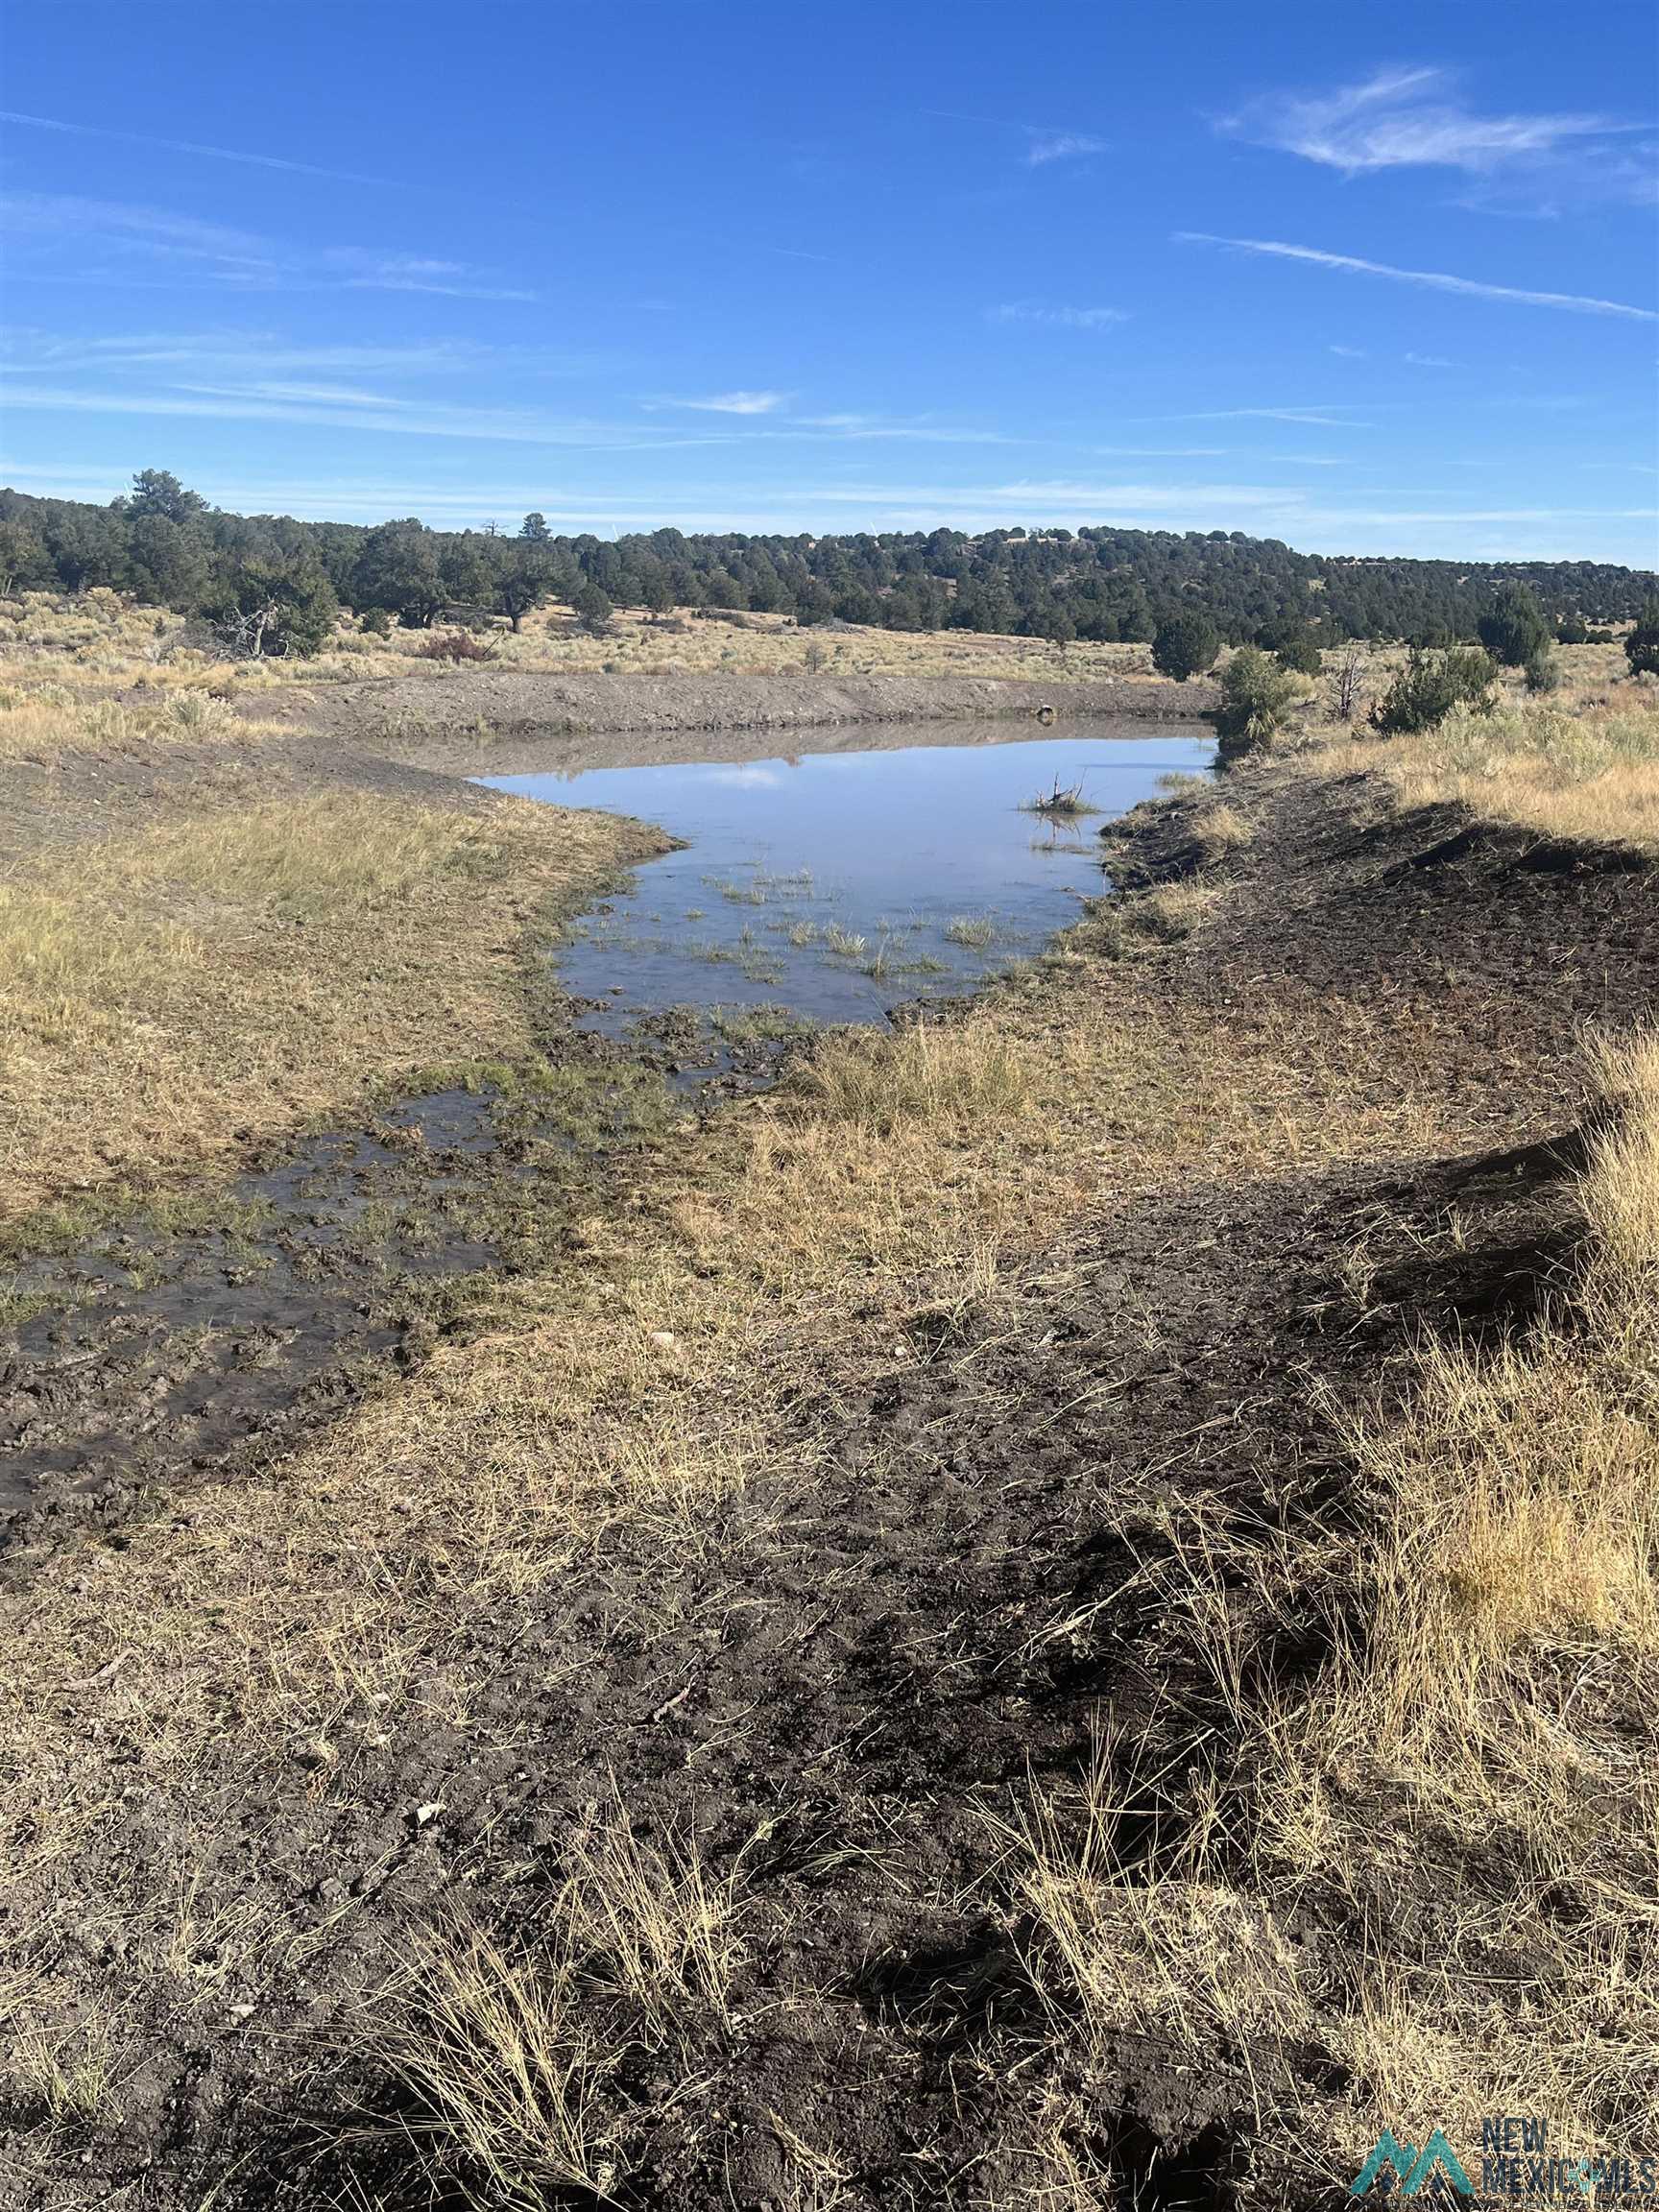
838, 885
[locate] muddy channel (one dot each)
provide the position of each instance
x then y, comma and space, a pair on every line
839, 886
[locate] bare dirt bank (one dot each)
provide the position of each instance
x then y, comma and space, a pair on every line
439, 715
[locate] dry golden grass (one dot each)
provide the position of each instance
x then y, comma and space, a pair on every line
99, 635
1222, 828
1502, 1688
1173, 910
1581, 762
1590, 773
1622, 1189
42, 723
70, 2074
59, 658
1475, 1751
1525, 1484
500, 2070
649, 1923
246, 966
949, 1077
1111, 1950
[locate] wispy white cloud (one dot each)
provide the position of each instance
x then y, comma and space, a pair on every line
1448, 515
261, 351
769, 412
728, 404
1429, 361
236, 395
112, 239
1159, 452
1319, 418
59, 219
1434, 279
1043, 142
1406, 119
317, 395
1050, 496
1350, 352
1057, 318
1062, 146
361, 270
1415, 117
361, 411
925, 429
189, 146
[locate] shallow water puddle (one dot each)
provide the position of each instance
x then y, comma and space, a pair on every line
835, 886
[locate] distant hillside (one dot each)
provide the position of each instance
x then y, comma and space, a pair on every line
167, 547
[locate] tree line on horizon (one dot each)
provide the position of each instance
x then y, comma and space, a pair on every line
272, 583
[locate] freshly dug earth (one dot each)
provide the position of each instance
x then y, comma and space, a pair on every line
611, 1766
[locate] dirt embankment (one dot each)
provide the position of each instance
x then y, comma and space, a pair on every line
420, 738
439, 715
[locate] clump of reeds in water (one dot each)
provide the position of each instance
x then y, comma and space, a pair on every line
1064, 803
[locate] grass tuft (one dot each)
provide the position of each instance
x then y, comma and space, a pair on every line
650, 1922
1063, 803
973, 930
1222, 830
498, 2070
956, 1076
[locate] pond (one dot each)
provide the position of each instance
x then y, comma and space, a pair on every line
834, 886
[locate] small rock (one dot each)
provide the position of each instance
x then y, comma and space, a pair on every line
664, 1339
424, 1814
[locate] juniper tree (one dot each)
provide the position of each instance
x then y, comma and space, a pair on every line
1184, 645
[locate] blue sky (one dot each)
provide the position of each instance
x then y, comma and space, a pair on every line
1370, 280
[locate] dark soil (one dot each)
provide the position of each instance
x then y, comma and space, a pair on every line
854, 1668
155, 1354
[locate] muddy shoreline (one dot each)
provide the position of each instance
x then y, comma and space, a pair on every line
144, 1358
